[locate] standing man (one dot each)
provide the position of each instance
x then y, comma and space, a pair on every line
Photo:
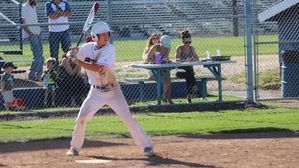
98, 59
58, 11
34, 35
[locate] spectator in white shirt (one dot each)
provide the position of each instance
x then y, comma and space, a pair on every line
34, 35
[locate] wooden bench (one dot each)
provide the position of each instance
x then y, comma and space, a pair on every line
202, 77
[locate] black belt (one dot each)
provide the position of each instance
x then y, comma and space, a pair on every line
104, 87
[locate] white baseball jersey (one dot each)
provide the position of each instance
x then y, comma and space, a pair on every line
89, 53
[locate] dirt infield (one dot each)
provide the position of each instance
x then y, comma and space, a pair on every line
275, 149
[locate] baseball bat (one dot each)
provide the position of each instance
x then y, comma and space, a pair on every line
87, 24
89, 19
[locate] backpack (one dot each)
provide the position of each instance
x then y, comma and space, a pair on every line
17, 104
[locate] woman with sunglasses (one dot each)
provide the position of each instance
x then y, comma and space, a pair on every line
186, 53
153, 40
163, 47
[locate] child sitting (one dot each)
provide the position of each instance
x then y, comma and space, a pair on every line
49, 77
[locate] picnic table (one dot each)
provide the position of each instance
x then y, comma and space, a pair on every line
213, 66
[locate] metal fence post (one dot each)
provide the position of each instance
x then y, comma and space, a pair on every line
248, 49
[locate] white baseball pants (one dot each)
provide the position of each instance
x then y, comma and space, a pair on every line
115, 99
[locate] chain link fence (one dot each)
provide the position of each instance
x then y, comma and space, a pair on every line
276, 51
214, 25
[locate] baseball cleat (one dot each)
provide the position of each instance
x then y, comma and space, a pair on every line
148, 151
72, 152
189, 100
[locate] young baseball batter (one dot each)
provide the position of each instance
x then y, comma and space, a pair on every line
98, 58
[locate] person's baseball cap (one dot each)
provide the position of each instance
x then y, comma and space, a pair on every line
166, 41
9, 64
99, 28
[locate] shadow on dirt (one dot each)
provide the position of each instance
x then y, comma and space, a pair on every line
254, 133
156, 160
44, 145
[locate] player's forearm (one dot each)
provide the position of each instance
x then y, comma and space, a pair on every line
92, 67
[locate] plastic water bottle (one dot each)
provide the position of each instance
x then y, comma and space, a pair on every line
45, 82
208, 58
217, 53
158, 58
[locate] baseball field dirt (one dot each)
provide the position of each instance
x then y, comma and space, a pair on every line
232, 150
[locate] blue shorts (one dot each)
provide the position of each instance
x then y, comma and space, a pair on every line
50, 87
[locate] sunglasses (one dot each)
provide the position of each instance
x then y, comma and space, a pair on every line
155, 38
188, 42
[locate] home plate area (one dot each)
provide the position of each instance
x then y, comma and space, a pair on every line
93, 161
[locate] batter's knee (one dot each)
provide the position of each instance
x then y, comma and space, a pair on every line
81, 120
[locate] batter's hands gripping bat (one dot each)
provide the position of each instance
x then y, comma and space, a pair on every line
87, 24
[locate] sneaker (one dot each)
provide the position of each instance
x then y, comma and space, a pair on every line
164, 99
45, 103
148, 151
189, 101
72, 152
53, 104
170, 102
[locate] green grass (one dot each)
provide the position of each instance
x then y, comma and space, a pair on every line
239, 78
269, 79
209, 98
157, 124
131, 50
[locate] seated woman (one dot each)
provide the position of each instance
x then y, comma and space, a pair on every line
186, 53
164, 48
153, 40
69, 79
